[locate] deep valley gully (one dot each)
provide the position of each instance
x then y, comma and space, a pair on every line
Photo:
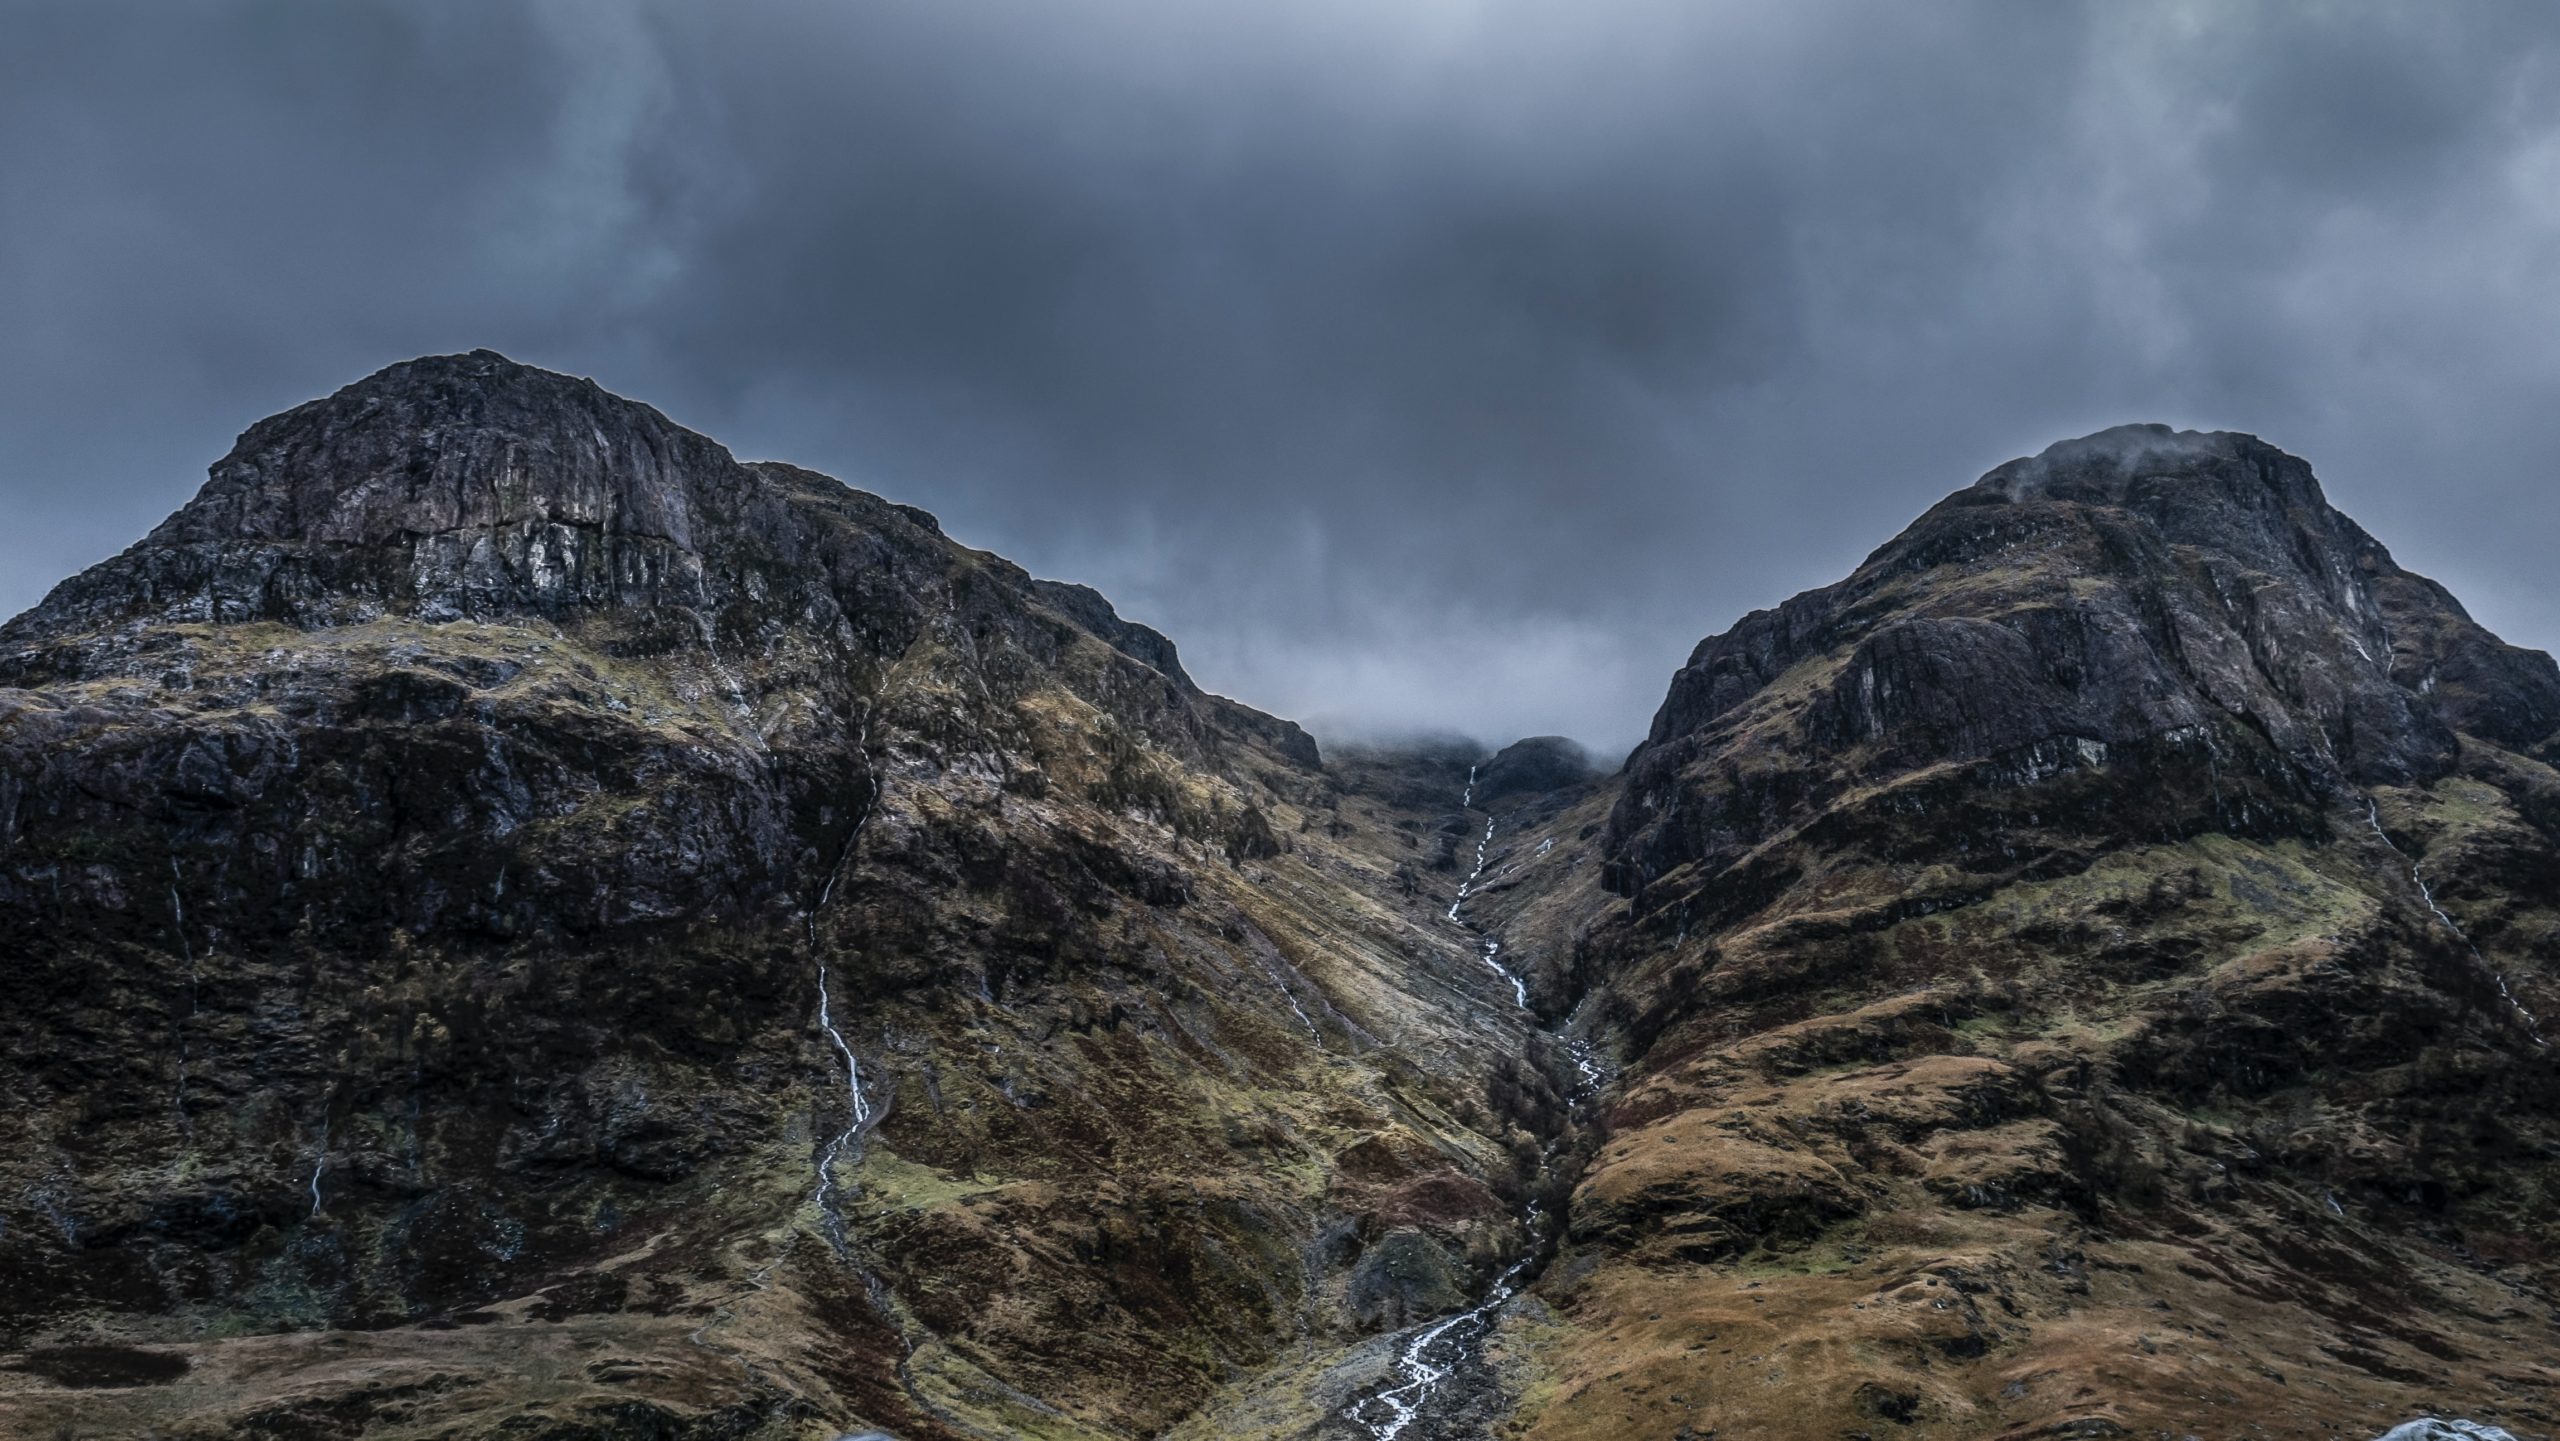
1430, 1354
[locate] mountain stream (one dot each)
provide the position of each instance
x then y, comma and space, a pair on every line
1436, 1350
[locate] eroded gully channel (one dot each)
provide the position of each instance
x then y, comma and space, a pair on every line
1429, 1356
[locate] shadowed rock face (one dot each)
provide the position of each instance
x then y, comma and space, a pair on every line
2076, 976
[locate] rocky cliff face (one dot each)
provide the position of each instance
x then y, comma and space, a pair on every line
516, 919
516, 923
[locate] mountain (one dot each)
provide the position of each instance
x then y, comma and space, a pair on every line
520, 924
2082, 970
518, 920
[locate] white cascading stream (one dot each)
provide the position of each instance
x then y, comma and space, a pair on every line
728, 680
1426, 1361
178, 924
858, 1106
2373, 817
1439, 1348
1489, 949
319, 1168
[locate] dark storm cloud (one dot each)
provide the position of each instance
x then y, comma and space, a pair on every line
1438, 364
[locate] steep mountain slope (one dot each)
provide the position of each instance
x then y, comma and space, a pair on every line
513, 923
516, 920
1511, 867
2082, 974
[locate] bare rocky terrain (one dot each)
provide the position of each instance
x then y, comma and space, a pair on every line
514, 923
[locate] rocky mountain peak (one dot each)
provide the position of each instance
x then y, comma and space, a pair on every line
440, 487
447, 443
2138, 787
2188, 598
501, 829
2220, 491
2103, 465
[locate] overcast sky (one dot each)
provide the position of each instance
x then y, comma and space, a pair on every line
1414, 365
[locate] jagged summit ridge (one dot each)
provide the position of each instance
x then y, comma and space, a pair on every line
2251, 513
440, 487
446, 442
474, 486
2220, 491
2100, 464
2181, 602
